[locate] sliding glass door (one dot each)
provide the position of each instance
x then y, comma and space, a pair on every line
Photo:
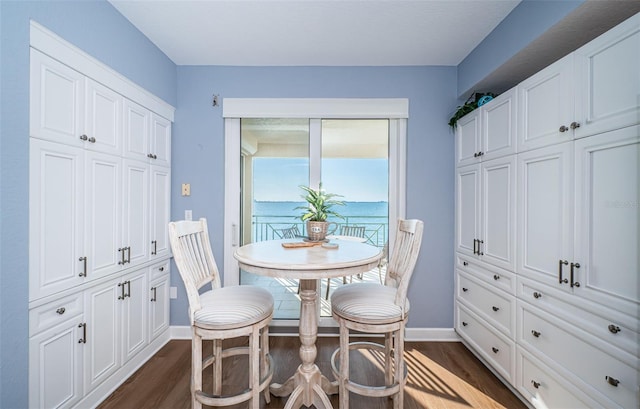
270, 157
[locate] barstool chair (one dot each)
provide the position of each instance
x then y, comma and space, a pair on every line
378, 309
219, 314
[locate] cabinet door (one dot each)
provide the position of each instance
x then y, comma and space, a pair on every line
134, 314
499, 126
608, 81
136, 137
55, 366
468, 139
57, 99
159, 307
103, 218
160, 140
545, 104
55, 218
545, 219
497, 219
160, 208
102, 349
467, 208
103, 119
135, 213
607, 216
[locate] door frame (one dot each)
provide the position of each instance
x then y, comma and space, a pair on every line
396, 110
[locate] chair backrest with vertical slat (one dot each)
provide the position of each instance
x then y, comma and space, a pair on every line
290, 233
193, 257
404, 257
353, 231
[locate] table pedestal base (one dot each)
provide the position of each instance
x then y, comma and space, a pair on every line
307, 386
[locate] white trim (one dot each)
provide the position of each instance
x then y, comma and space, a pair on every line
232, 199
57, 48
412, 334
315, 108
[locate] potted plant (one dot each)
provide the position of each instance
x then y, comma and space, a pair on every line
474, 101
318, 209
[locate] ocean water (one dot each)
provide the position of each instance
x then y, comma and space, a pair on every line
270, 217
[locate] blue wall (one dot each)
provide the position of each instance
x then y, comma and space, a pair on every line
198, 156
525, 23
98, 29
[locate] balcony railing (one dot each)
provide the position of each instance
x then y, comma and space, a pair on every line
269, 227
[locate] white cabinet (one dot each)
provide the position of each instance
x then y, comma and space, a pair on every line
57, 259
96, 161
147, 135
116, 319
488, 132
55, 361
545, 106
578, 217
136, 221
545, 212
485, 219
160, 150
158, 306
607, 214
608, 83
590, 91
57, 94
576, 271
160, 212
103, 119
103, 214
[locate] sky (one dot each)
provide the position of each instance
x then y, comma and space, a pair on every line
358, 180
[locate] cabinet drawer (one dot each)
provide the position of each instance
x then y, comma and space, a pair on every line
592, 363
159, 270
612, 327
544, 388
498, 350
491, 304
495, 276
54, 313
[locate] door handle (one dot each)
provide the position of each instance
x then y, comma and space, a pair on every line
573, 283
560, 264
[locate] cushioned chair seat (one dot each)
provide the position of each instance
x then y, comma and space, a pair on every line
233, 307
367, 303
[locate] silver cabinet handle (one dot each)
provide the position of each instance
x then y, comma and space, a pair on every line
535, 384
563, 129
61, 310
560, 264
537, 295
155, 247
612, 381
535, 333
121, 296
574, 125
83, 340
154, 296
84, 267
614, 329
92, 140
84, 137
571, 282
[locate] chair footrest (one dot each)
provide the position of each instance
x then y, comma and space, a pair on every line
368, 390
228, 400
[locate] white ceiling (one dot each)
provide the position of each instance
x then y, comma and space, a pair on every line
315, 32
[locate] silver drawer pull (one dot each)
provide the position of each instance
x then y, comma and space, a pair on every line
612, 381
495, 350
464, 324
535, 384
535, 333
496, 277
614, 329
464, 289
61, 310
495, 308
536, 295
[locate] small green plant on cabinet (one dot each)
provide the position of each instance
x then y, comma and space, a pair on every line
474, 101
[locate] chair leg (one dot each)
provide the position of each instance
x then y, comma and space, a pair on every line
196, 368
264, 338
217, 367
254, 367
344, 367
398, 402
326, 295
388, 350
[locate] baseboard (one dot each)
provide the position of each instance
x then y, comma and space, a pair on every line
411, 335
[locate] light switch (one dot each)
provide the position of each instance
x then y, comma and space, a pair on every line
186, 189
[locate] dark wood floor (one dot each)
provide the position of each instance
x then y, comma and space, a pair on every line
442, 375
